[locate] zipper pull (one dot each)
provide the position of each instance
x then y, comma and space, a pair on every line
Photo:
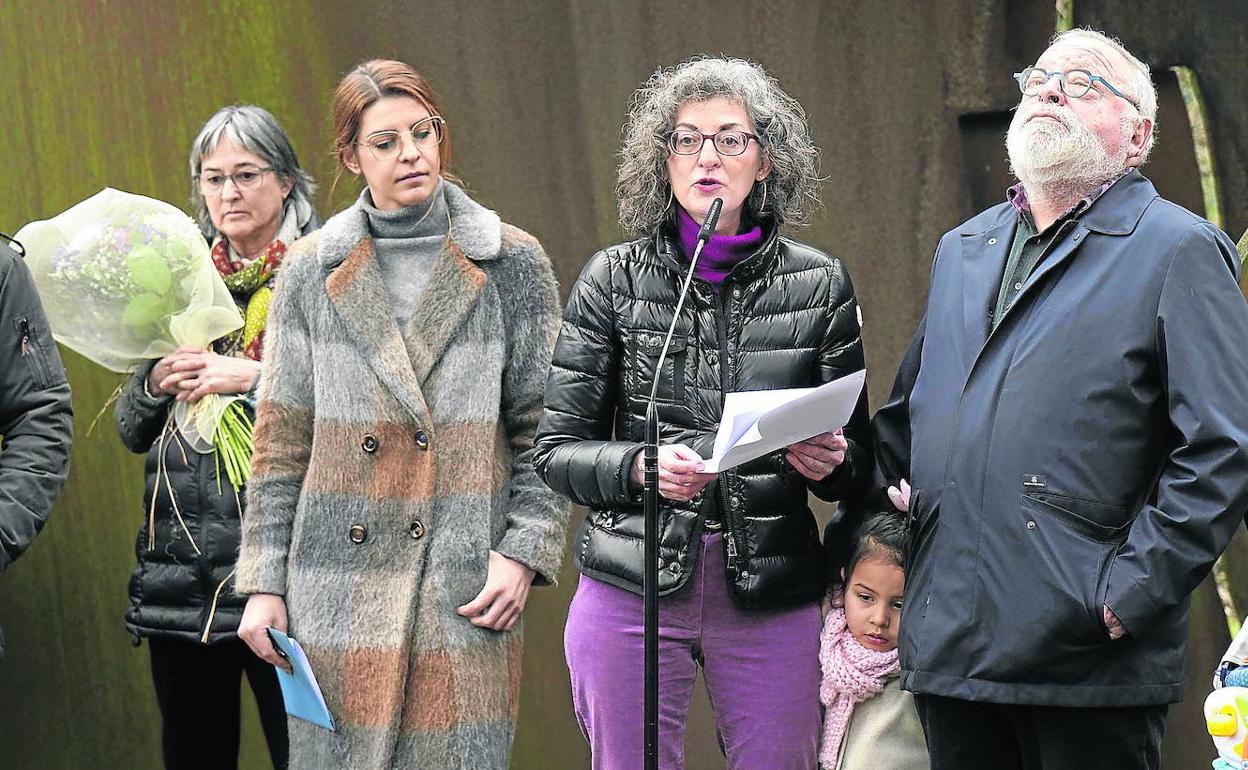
732, 550
24, 325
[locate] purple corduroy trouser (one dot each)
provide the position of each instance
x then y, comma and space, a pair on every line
761, 670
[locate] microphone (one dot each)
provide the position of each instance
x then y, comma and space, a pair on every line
712, 219
704, 235
650, 465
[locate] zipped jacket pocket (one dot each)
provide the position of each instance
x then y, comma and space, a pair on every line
30, 352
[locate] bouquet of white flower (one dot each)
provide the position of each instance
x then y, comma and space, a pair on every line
126, 279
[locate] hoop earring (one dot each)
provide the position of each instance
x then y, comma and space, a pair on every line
763, 202
671, 196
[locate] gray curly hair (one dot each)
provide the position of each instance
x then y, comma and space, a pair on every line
643, 187
255, 130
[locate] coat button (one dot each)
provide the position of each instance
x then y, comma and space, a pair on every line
1031, 525
357, 533
417, 529
712, 359
674, 568
422, 439
736, 292
369, 443
736, 501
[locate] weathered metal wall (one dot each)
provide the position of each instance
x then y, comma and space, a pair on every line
908, 100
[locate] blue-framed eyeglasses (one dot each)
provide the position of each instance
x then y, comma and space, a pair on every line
1074, 83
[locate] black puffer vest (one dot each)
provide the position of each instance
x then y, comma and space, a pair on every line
785, 317
182, 586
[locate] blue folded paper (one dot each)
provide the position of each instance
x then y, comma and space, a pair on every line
299, 689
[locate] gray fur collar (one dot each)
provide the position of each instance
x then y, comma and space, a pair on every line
474, 228
404, 358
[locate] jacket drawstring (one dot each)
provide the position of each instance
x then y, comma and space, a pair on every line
162, 471
212, 611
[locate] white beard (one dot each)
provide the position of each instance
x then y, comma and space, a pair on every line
1059, 160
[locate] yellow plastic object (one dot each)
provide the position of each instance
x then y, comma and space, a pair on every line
1226, 718
1223, 723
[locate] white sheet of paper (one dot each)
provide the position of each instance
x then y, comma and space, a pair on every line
756, 422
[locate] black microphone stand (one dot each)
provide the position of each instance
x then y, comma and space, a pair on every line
650, 572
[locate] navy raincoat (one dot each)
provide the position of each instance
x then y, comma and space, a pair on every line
1092, 449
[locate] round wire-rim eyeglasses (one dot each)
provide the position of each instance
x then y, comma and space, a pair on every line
425, 133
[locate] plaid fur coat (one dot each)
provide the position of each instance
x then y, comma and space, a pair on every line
389, 462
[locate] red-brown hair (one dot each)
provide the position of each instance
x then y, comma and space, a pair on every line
364, 86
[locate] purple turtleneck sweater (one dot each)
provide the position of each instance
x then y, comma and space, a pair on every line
721, 253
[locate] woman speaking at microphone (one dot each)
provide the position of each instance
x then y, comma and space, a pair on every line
741, 571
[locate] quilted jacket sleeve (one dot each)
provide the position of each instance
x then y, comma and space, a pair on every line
575, 454
841, 355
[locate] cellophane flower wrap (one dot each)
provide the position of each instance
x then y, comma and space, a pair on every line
125, 279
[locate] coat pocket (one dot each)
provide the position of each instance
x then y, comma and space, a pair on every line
1099, 521
1096, 529
643, 348
1041, 588
31, 353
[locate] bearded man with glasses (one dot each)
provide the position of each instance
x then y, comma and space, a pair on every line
1072, 418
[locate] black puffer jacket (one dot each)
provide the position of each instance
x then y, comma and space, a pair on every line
785, 317
182, 586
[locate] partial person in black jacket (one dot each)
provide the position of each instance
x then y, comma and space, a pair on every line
36, 416
252, 200
1072, 416
741, 568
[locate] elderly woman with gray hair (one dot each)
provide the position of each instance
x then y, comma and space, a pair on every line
741, 570
252, 200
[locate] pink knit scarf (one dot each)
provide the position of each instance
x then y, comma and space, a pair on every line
851, 674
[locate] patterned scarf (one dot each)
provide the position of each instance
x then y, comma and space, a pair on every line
251, 283
851, 674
